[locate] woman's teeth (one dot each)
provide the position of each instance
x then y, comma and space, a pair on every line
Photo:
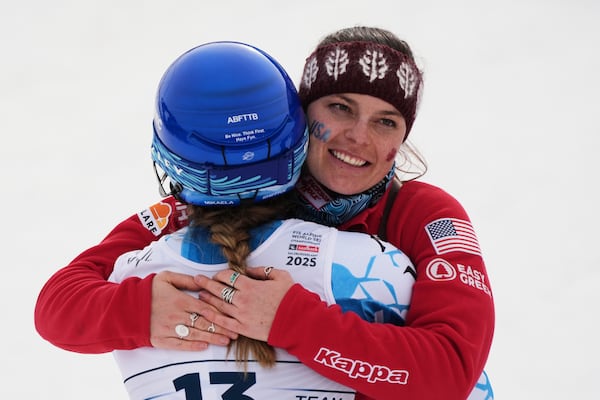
356, 162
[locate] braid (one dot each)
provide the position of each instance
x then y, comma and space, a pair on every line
229, 228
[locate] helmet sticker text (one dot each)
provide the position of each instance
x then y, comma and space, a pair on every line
232, 119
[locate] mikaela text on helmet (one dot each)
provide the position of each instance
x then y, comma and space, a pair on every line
218, 202
360, 369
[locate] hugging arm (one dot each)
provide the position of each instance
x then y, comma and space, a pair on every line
439, 353
435, 355
79, 310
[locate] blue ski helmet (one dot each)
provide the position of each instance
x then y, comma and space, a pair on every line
228, 126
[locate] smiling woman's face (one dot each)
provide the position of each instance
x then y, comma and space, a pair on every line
354, 141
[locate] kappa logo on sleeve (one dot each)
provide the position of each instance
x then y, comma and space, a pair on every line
156, 217
358, 369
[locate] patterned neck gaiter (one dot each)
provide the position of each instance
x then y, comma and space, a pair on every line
319, 204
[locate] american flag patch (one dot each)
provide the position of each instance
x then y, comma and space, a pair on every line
451, 234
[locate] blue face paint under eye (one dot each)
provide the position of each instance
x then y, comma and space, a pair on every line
319, 131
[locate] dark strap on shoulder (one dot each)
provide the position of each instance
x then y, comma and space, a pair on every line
382, 233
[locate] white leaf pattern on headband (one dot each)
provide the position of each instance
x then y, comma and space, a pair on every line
374, 65
336, 62
407, 78
310, 72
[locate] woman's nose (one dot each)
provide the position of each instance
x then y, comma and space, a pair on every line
358, 132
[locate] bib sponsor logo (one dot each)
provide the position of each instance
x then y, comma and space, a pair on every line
303, 247
358, 369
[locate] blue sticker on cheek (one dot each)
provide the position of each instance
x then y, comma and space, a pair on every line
319, 131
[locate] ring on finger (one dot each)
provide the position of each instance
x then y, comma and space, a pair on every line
268, 271
233, 278
193, 317
211, 328
182, 331
227, 294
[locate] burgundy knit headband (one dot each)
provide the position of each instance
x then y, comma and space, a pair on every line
365, 68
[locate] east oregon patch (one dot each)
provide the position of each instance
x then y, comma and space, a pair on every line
156, 217
439, 269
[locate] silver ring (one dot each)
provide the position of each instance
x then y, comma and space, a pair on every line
211, 328
233, 278
193, 317
182, 330
227, 294
268, 271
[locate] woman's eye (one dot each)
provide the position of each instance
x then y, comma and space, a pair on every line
340, 106
388, 122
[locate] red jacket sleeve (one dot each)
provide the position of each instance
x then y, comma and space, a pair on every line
79, 310
442, 349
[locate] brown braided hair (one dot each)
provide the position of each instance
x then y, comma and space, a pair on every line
229, 228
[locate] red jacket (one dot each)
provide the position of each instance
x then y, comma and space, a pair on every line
79, 310
442, 350
440, 353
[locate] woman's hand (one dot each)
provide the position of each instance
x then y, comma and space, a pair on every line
172, 306
252, 305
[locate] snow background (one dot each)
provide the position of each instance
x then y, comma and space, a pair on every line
508, 124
